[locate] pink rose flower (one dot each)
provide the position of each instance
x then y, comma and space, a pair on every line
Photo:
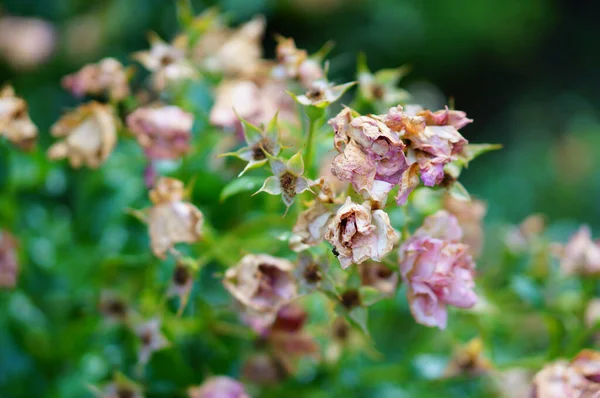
581, 255
437, 269
164, 132
219, 387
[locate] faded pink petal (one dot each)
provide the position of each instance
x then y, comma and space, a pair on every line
163, 132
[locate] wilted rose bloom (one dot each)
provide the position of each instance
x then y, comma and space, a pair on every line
433, 137
380, 88
262, 283
164, 132
372, 156
90, 135
9, 266
219, 387
310, 227
513, 383
581, 255
469, 214
151, 339
15, 123
587, 363
107, 76
437, 269
295, 63
379, 276
253, 101
561, 380
521, 237
171, 219
26, 42
233, 52
167, 62
358, 234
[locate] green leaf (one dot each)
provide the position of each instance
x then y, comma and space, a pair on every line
459, 191
369, 295
471, 151
243, 184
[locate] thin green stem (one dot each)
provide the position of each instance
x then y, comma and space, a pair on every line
309, 149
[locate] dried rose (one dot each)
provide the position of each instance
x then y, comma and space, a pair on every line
172, 220
379, 276
380, 87
262, 283
295, 63
219, 387
261, 143
164, 132
233, 52
310, 227
9, 266
90, 135
167, 62
26, 42
581, 255
311, 274
151, 339
235, 100
560, 380
469, 214
15, 123
434, 144
437, 270
372, 156
254, 101
288, 180
107, 76
587, 363
359, 234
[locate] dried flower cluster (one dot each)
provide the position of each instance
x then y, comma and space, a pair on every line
339, 204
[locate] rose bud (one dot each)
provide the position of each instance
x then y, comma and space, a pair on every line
219, 387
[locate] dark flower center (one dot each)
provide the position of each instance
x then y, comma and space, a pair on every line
181, 275
378, 91
350, 299
341, 329
288, 183
312, 273
166, 60
259, 149
447, 181
384, 272
115, 307
315, 94
124, 392
146, 337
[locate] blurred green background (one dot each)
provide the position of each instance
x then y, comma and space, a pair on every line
526, 71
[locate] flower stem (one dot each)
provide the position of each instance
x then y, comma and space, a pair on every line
309, 149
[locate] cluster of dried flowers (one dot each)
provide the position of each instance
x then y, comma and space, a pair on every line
341, 203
